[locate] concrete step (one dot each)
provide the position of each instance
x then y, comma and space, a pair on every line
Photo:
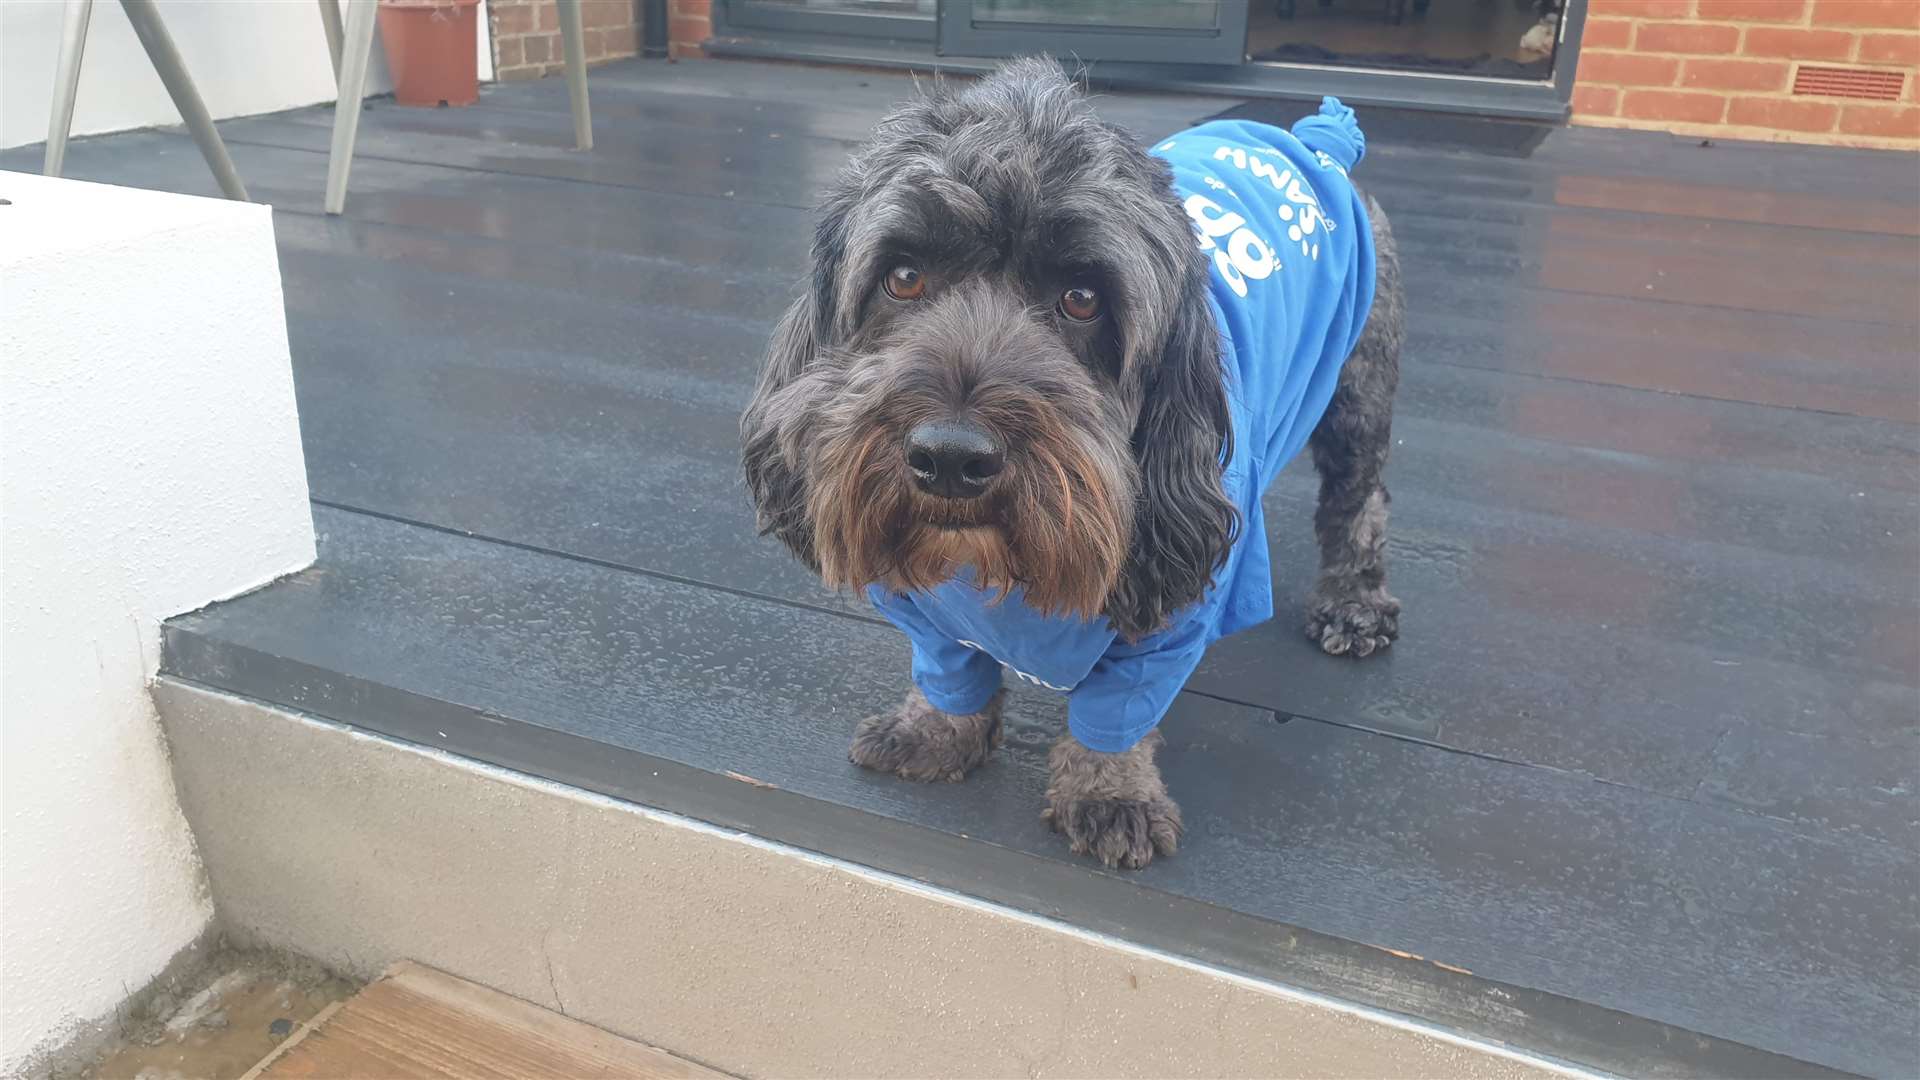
751, 956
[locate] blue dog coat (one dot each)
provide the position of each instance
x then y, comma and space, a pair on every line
1292, 284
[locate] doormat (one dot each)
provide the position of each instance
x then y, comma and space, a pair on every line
1408, 127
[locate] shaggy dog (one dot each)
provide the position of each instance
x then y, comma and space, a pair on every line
1039, 380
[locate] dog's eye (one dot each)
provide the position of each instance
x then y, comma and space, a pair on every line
1080, 303
906, 283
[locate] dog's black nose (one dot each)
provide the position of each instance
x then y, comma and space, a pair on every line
953, 460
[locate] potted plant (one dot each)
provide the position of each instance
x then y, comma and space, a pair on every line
430, 48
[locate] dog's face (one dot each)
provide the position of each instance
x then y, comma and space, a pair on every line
1005, 362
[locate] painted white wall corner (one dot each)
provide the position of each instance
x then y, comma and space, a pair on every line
245, 58
150, 463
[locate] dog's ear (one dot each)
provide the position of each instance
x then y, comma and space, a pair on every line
1185, 524
767, 436
778, 489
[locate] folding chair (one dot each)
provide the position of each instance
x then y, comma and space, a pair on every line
352, 47
145, 17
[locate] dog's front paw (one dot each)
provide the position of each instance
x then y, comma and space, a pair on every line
1113, 807
1126, 833
1353, 624
919, 742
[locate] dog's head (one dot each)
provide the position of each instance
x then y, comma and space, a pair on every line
1005, 361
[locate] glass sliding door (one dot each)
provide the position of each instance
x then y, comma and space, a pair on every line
1499, 39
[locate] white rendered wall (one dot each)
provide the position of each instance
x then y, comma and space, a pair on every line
245, 56
150, 463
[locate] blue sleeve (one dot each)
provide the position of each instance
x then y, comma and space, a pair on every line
1133, 686
954, 678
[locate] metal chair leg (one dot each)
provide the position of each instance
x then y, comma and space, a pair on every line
573, 41
330, 26
66, 82
145, 17
356, 50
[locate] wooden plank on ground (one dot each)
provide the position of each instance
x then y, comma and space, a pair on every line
415, 1022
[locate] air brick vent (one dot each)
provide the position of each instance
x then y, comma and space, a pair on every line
1815, 80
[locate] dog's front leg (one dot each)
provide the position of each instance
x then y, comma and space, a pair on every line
1112, 806
919, 742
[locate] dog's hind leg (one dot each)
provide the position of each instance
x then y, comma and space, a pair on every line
919, 742
1350, 612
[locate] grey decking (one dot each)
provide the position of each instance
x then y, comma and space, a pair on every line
1651, 741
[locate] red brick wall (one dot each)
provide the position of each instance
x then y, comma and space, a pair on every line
690, 23
1727, 67
526, 34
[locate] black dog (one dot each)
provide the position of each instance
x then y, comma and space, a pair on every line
1006, 402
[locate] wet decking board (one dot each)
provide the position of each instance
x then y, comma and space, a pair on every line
415, 1023
1651, 742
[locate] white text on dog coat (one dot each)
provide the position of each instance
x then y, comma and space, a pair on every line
1024, 677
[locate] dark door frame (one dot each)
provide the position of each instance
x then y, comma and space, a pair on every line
747, 29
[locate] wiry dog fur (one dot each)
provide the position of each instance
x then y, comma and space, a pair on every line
920, 742
1003, 194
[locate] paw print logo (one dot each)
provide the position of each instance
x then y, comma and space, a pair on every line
1304, 219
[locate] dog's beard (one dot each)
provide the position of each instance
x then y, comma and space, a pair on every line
1056, 524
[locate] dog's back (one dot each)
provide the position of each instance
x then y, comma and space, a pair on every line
1293, 266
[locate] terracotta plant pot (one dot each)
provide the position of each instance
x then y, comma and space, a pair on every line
430, 50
